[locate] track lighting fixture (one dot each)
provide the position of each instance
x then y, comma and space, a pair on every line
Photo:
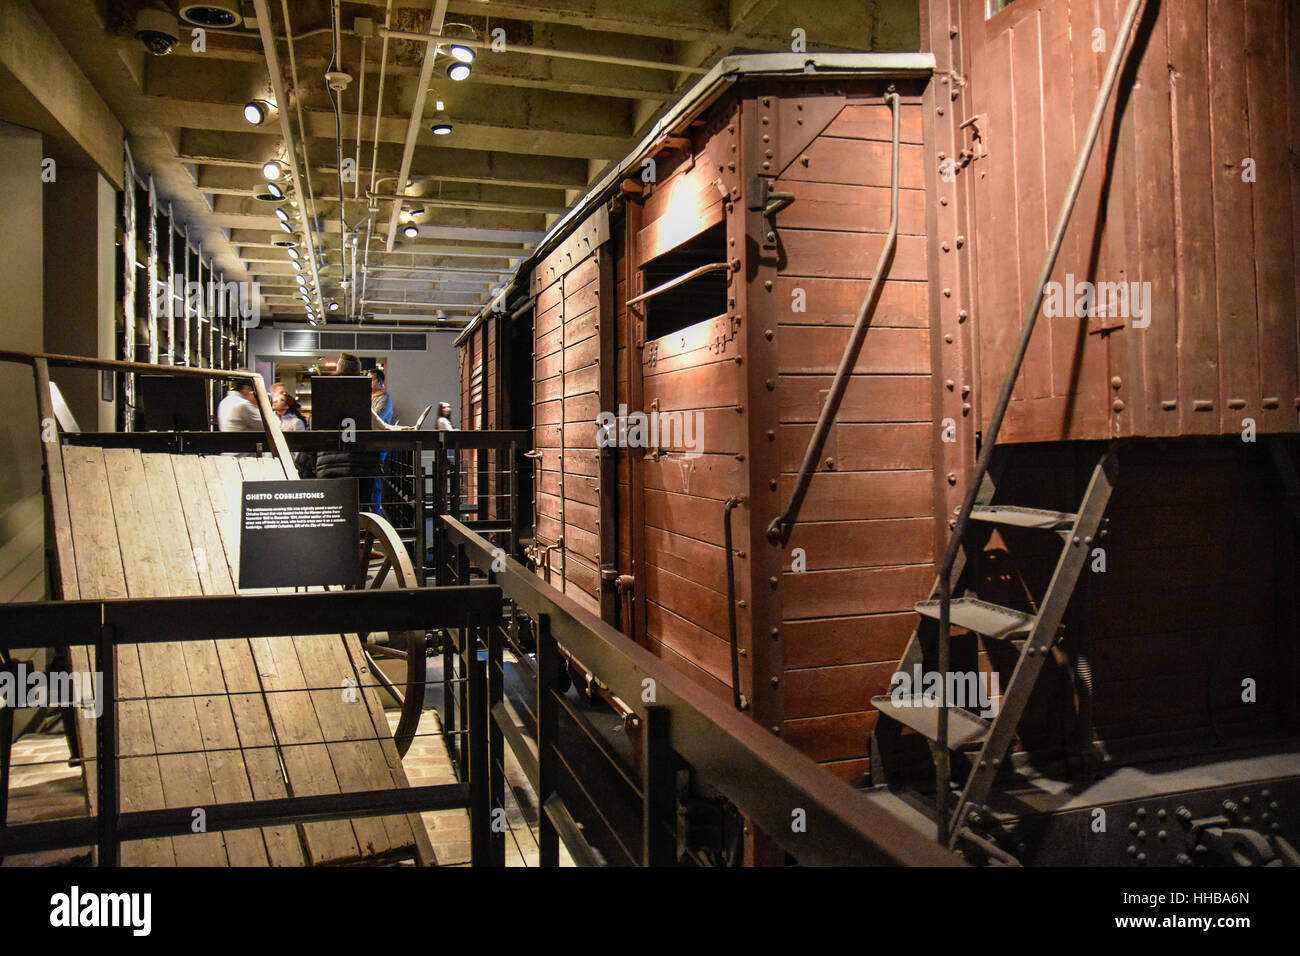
258, 112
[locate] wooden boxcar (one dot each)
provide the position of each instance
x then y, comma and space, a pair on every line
705, 290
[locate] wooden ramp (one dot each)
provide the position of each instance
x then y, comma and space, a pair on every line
219, 721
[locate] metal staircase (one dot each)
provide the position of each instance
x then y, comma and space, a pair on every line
953, 727
989, 741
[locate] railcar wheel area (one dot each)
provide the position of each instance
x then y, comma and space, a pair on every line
457, 434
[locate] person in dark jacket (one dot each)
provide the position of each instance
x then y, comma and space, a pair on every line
354, 463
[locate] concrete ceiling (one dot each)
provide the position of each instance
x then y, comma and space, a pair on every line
530, 130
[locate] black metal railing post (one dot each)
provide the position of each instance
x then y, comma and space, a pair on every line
548, 717
107, 777
480, 794
496, 741
658, 791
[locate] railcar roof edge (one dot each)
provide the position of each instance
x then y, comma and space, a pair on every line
700, 97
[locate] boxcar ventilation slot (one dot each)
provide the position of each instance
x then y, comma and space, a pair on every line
689, 284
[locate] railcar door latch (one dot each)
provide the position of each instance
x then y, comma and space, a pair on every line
763, 197
976, 149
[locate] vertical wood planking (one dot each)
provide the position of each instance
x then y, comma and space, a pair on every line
100, 575
252, 721
1027, 118
1268, 97
1154, 350
1194, 243
215, 718
1234, 232
998, 251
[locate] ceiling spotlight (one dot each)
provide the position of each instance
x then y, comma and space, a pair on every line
258, 112
275, 190
216, 14
458, 71
410, 232
461, 52
441, 128
297, 266
334, 306
281, 214
293, 254
300, 279
284, 224
286, 243
272, 169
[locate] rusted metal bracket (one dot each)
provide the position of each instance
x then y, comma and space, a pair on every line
976, 149
763, 197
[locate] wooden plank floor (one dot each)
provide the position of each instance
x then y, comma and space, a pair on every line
220, 721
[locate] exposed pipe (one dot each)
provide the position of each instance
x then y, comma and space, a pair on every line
336, 98
943, 768
547, 51
374, 162
779, 529
286, 127
736, 696
439, 13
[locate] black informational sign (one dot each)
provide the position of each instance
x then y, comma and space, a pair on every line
299, 534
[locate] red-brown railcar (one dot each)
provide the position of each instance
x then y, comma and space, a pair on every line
713, 279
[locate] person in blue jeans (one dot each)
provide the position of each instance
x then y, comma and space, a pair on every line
381, 403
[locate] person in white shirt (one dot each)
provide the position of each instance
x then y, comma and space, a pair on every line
444, 418
238, 410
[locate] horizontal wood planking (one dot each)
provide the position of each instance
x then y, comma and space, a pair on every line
863, 638
839, 689
833, 496
708, 652
818, 349
852, 209
833, 159
861, 447
902, 304
854, 590
828, 545
834, 737
876, 121
849, 255
867, 398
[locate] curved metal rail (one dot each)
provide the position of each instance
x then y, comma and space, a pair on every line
943, 767
780, 527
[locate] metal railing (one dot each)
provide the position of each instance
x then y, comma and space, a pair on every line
817, 818
110, 624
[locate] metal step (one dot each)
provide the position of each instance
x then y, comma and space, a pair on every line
966, 731
1037, 518
991, 620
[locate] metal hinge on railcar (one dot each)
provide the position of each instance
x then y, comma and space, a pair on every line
762, 196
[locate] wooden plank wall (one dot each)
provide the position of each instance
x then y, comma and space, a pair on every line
566, 401
1208, 86
695, 372
864, 540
